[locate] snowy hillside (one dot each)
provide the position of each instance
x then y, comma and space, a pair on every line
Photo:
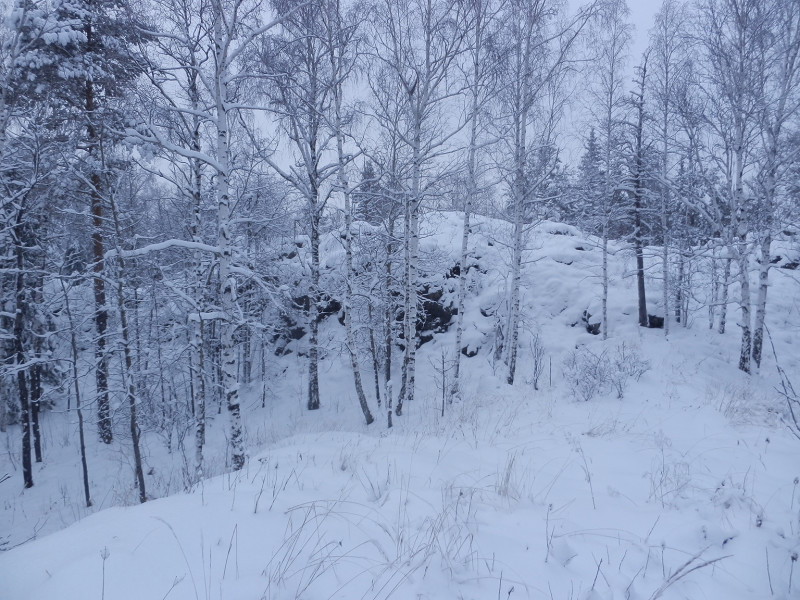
687, 486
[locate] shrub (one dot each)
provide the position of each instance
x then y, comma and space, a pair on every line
588, 373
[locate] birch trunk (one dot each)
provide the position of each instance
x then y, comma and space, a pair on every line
348, 314
388, 318
462, 284
608, 193
336, 53
745, 304
521, 105
411, 233
712, 307
516, 282
761, 303
785, 76
406, 303
313, 314
196, 321
227, 282
604, 318
723, 295
472, 184
608, 189
741, 251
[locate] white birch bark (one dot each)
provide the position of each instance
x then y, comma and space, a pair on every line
781, 106
419, 44
521, 105
735, 52
198, 286
615, 39
525, 25
739, 249
479, 74
338, 53
724, 291
714, 288
670, 56
538, 51
228, 32
227, 282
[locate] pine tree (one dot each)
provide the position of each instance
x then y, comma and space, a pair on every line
85, 69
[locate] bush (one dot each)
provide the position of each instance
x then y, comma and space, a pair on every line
537, 360
588, 374
627, 363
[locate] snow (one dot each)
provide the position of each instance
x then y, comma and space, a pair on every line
687, 487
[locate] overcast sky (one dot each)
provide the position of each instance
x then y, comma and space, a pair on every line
642, 14
575, 125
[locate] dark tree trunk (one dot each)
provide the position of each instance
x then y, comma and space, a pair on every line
131, 382
36, 396
19, 351
98, 283
77, 387
638, 193
36, 368
374, 352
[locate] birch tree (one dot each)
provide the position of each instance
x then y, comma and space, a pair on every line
380, 197
613, 35
669, 59
735, 44
777, 119
180, 51
481, 77
211, 55
298, 68
341, 32
418, 43
538, 52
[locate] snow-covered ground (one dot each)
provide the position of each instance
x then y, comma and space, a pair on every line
687, 487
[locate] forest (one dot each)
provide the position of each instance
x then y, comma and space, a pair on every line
176, 176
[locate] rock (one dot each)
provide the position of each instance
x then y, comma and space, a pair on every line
593, 328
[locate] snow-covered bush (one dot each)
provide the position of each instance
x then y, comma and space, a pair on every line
588, 373
626, 364
537, 360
